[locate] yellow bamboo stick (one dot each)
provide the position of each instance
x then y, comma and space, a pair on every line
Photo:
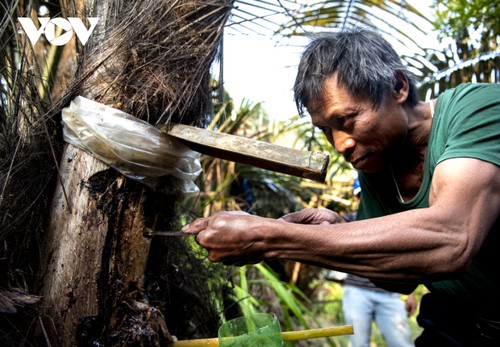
285, 336
316, 333
212, 342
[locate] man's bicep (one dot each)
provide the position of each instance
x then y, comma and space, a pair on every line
466, 191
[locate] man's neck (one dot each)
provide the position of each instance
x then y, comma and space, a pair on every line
419, 124
407, 163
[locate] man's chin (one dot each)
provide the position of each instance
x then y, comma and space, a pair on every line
368, 166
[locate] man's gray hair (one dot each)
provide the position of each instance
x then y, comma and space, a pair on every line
365, 63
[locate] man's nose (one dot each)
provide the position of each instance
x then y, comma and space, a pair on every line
342, 141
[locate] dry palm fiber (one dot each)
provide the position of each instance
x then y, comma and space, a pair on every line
154, 61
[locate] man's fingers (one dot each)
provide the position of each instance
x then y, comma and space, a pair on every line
196, 226
312, 216
294, 217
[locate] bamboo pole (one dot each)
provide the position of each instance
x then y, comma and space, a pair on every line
317, 333
285, 336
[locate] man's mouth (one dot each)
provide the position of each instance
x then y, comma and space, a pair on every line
360, 161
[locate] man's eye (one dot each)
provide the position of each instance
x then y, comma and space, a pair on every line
323, 128
343, 121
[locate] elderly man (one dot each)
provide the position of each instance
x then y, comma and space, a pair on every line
430, 181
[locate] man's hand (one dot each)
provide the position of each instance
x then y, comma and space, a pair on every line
238, 238
233, 238
313, 216
411, 304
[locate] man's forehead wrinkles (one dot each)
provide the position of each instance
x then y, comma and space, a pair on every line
316, 108
322, 105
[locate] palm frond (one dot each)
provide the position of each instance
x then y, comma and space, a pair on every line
260, 16
402, 24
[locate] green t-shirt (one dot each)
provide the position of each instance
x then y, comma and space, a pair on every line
466, 123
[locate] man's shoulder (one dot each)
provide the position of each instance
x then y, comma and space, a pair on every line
466, 124
475, 90
474, 86
463, 105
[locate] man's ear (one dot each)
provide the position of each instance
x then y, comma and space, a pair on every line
401, 87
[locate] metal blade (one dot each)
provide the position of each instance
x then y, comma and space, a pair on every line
171, 233
150, 233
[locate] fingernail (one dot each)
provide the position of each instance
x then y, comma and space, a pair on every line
185, 227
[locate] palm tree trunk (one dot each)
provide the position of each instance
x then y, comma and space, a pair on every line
95, 255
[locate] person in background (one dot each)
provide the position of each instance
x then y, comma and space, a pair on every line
364, 302
430, 189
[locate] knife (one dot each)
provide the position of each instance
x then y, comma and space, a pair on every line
147, 232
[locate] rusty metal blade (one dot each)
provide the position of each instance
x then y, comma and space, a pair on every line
150, 233
171, 233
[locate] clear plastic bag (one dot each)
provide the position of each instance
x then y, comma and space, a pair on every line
133, 147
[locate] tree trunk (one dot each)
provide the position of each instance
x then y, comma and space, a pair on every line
95, 251
95, 255
74, 242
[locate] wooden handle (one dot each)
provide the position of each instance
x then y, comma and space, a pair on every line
311, 165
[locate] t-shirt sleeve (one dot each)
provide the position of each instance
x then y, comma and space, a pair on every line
473, 113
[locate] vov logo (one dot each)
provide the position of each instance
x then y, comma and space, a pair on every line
48, 27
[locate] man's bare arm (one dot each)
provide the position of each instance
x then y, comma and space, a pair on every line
414, 245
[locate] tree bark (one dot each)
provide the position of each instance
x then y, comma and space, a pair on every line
95, 254
74, 242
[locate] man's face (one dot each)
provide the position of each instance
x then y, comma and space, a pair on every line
363, 134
